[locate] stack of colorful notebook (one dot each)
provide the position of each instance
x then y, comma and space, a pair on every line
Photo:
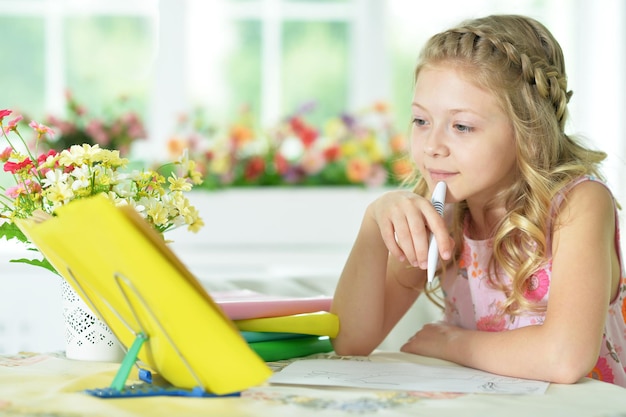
279, 328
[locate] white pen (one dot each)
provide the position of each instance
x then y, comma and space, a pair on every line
438, 200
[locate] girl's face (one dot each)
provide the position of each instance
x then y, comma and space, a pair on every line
460, 135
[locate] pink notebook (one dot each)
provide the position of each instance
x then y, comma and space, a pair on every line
246, 304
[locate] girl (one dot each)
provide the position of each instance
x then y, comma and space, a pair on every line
529, 244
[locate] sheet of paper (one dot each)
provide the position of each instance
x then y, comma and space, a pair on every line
404, 376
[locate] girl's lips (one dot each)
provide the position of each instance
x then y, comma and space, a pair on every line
440, 175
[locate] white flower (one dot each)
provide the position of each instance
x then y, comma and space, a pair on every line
292, 148
82, 177
54, 177
125, 188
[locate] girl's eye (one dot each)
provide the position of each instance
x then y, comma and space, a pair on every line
419, 122
463, 128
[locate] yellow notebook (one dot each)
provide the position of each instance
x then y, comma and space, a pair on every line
135, 283
321, 323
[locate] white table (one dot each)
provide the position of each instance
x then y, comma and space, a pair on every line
36, 384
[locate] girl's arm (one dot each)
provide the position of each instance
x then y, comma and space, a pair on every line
585, 277
377, 285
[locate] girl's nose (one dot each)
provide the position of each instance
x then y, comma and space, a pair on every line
435, 144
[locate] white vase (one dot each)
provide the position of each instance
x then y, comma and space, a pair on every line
87, 337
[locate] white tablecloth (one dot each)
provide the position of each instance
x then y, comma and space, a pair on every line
48, 384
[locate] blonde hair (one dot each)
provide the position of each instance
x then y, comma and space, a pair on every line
519, 61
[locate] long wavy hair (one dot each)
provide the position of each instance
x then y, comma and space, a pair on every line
519, 61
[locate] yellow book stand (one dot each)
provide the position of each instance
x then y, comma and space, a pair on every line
157, 309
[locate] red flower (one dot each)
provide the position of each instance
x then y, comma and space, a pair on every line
307, 134
254, 168
4, 113
209, 155
332, 153
14, 167
307, 137
281, 163
42, 158
296, 124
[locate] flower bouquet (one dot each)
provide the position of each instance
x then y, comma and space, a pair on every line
115, 130
46, 181
350, 149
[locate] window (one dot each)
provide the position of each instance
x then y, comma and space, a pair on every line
99, 50
23, 74
276, 56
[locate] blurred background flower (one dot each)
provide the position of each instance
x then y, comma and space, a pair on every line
114, 130
349, 149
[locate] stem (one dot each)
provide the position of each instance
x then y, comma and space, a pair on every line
30, 155
5, 205
92, 179
7, 138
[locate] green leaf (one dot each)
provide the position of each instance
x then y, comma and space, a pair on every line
43, 263
9, 230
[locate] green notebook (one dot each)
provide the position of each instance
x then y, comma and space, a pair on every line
252, 337
276, 350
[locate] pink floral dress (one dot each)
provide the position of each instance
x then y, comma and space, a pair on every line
471, 303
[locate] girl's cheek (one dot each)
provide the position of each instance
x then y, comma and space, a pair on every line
417, 154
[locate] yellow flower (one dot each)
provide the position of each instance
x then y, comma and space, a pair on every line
156, 211
193, 220
112, 158
221, 164
373, 149
349, 148
178, 183
188, 168
58, 194
104, 176
335, 128
78, 155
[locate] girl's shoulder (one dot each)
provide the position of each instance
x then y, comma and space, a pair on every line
584, 179
587, 189
584, 199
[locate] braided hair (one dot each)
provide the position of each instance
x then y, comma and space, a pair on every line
518, 60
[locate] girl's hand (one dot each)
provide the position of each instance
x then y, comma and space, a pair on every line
406, 220
432, 340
